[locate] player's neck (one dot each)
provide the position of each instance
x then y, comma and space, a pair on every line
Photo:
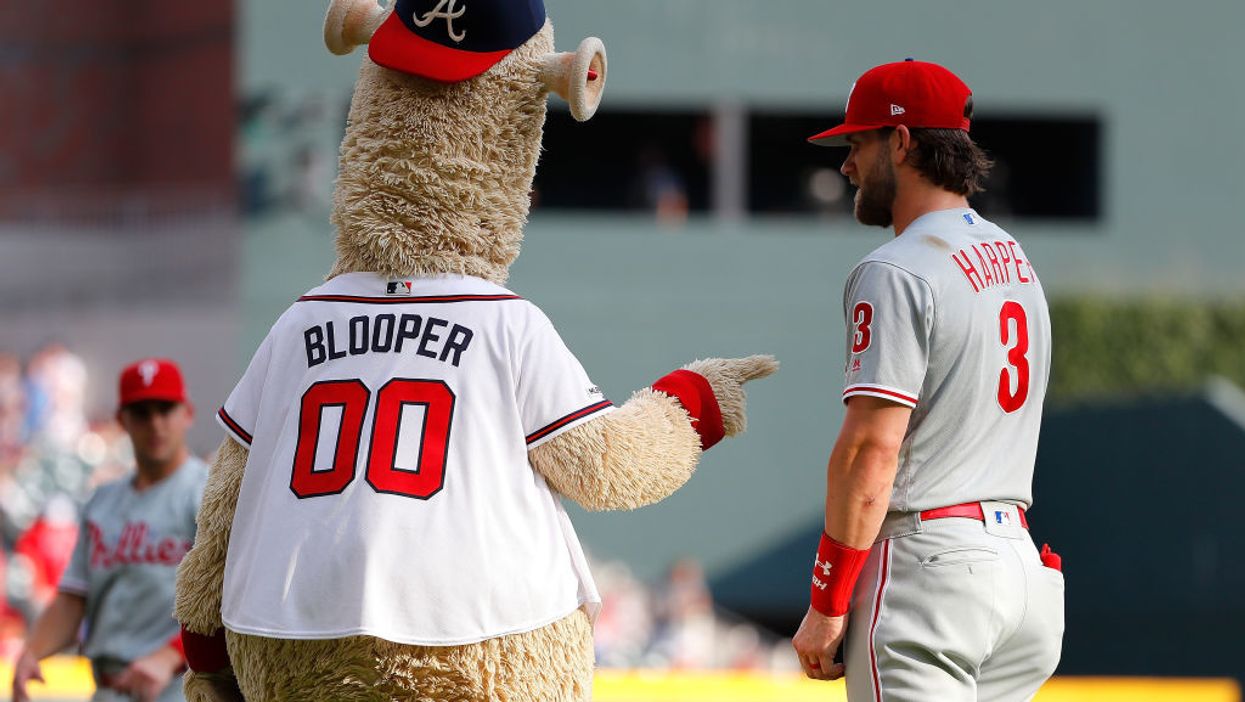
919, 197
149, 473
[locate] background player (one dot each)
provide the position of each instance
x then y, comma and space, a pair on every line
948, 359
134, 533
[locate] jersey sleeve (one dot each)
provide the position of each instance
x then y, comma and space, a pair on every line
889, 314
554, 392
240, 412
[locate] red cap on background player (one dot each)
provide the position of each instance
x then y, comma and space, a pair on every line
913, 93
446, 41
152, 379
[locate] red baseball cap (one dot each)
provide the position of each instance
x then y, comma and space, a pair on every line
911, 93
152, 379
453, 40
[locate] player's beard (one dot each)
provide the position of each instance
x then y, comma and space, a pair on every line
875, 198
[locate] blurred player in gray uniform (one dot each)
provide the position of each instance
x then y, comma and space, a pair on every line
926, 575
134, 533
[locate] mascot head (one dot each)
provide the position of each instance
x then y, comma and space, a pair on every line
445, 129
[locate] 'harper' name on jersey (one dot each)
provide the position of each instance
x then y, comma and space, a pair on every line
997, 261
388, 333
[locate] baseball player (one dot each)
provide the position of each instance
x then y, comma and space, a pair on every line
926, 575
134, 532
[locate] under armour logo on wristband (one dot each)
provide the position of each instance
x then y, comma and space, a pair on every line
449, 15
824, 565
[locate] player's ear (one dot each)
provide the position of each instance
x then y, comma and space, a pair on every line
900, 144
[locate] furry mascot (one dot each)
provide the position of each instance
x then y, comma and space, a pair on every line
448, 571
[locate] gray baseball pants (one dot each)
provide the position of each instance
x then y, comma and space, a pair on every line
953, 610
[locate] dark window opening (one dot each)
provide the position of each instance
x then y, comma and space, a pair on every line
1045, 167
623, 160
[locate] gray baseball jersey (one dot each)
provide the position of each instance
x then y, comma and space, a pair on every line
949, 318
125, 562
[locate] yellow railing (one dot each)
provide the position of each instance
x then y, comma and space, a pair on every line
617, 686
69, 678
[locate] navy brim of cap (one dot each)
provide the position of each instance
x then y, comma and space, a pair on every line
838, 135
396, 48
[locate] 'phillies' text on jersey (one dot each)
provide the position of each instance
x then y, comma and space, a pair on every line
997, 263
133, 547
384, 333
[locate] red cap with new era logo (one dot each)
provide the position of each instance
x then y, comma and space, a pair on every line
152, 379
916, 94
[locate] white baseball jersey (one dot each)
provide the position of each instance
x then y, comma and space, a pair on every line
388, 490
949, 318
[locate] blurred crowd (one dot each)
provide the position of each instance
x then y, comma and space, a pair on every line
52, 455
674, 625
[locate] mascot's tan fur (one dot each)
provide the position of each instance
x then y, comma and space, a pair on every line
434, 179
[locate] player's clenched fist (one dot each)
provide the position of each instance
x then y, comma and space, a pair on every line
816, 643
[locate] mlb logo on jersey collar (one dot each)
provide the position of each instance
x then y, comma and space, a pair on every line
453, 40
398, 287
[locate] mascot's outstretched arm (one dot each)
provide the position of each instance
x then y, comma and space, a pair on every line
648, 448
200, 580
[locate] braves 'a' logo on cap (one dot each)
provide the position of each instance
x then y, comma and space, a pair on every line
148, 370
448, 14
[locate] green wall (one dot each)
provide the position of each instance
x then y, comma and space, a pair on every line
634, 300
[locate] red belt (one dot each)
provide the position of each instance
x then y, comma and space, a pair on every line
968, 510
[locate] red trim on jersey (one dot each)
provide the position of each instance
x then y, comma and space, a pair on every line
404, 299
234, 426
860, 389
178, 645
877, 611
563, 421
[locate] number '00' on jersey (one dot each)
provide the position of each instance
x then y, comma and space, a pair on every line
387, 490
949, 319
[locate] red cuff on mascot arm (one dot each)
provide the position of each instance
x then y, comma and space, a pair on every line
696, 396
205, 654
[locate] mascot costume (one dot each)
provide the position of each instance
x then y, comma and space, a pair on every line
383, 520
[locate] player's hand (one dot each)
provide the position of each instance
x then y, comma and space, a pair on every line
816, 643
147, 677
25, 669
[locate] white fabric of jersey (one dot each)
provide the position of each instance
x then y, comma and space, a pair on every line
487, 552
927, 328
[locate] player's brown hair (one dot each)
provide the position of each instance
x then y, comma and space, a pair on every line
949, 158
